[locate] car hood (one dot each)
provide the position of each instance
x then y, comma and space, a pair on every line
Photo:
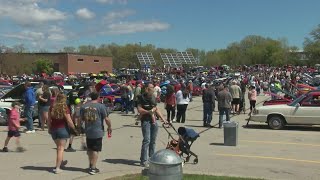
275, 107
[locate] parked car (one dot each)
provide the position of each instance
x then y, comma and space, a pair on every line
305, 110
14, 95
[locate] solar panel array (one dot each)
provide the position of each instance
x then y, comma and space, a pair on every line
186, 58
145, 58
170, 59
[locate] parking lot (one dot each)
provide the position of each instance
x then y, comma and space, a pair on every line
292, 153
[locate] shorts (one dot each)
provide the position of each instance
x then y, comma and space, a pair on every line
60, 133
235, 101
44, 108
94, 144
14, 133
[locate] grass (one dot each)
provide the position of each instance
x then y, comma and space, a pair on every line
185, 177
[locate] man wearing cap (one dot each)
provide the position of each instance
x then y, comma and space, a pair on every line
236, 93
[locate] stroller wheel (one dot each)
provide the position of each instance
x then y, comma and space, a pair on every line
195, 161
187, 158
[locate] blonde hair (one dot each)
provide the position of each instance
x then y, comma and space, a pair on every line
59, 107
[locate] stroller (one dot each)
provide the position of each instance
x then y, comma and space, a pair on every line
184, 142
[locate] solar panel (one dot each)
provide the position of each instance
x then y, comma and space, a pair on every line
145, 58
170, 59
186, 58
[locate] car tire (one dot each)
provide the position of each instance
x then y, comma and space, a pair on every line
276, 122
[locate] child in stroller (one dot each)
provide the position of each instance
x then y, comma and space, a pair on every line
183, 144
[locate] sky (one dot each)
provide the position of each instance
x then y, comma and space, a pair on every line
179, 24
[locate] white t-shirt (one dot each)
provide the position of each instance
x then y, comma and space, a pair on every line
157, 91
180, 99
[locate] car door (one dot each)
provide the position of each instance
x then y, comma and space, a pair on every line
308, 112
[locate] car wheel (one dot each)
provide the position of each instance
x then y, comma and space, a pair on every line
276, 122
117, 106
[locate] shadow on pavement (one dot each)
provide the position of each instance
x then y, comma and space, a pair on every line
50, 169
123, 161
130, 125
144, 172
196, 126
286, 128
217, 144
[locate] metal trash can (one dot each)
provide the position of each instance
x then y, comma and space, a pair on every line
230, 133
165, 165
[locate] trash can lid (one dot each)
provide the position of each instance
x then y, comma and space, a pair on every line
165, 157
230, 124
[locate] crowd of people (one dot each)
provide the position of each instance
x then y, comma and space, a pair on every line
67, 116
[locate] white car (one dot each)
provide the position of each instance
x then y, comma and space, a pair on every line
305, 110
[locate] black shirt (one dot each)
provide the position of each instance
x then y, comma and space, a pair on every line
47, 96
73, 95
147, 103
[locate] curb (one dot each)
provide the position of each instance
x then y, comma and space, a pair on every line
113, 174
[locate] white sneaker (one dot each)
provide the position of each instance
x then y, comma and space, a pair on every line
29, 132
57, 170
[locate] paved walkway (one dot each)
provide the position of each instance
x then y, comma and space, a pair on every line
287, 154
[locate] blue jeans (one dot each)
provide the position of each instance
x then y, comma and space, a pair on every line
28, 113
207, 113
125, 104
149, 132
223, 111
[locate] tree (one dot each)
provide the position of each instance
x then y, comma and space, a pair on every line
43, 66
68, 49
312, 45
19, 48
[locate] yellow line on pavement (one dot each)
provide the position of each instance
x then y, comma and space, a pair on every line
284, 143
268, 157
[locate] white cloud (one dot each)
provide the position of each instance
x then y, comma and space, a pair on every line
85, 13
134, 27
115, 15
113, 1
26, 35
57, 37
56, 34
28, 12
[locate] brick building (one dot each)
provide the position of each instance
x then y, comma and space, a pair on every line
19, 63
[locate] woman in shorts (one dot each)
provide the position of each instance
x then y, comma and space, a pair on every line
59, 119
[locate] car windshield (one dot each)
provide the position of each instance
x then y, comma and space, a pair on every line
293, 103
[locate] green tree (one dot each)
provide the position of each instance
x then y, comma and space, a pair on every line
68, 49
312, 45
43, 66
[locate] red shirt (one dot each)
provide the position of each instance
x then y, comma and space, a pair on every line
171, 100
58, 123
14, 119
177, 87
